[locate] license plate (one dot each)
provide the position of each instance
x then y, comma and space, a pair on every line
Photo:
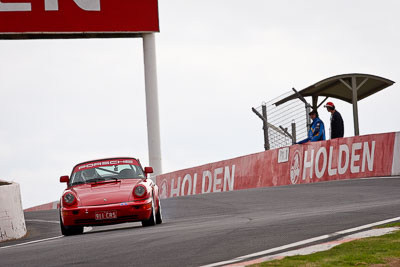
105, 215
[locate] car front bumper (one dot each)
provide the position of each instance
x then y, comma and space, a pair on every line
125, 212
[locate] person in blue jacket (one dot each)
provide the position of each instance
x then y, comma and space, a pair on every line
317, 129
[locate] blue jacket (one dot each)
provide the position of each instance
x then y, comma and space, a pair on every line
316, 132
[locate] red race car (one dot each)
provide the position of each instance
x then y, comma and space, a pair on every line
108, 191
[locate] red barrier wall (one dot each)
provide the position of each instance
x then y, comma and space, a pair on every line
396, 156
338, 159
47, 206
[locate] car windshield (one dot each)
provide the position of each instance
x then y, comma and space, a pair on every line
104, 173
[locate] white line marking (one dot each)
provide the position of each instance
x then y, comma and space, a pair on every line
299, 243
85, 230
32, 242
355, 229
44, 221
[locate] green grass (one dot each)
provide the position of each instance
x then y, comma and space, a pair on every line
396, 224
373, 251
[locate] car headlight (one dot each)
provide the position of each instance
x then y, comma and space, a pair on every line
139, 191
69, 198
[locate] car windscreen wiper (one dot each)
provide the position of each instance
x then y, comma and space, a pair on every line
112, 178
78, 183
102, 180
95, 180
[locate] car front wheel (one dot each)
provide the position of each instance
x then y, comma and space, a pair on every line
152, 220
159, 214
70, 230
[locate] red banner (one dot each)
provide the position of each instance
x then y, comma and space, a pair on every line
338, 159
78, 16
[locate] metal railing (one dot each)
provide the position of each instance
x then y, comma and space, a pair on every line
283, 125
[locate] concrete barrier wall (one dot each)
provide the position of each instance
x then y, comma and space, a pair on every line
12, 221
338, 159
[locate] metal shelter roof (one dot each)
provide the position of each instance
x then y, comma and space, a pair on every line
350, 88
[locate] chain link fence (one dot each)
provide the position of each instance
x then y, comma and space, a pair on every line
284, 124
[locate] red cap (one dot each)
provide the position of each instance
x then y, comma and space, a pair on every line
329, 105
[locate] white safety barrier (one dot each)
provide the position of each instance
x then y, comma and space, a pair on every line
12, 220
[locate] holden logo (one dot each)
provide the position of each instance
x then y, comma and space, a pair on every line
164, 189
295, 167
105, 200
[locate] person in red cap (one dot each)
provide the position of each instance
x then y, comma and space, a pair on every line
337, 125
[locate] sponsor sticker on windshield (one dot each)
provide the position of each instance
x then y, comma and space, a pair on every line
104, 163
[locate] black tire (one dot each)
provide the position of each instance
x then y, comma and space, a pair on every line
152, 220
159, 213
70, 230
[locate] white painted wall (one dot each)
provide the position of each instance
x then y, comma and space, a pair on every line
12, 220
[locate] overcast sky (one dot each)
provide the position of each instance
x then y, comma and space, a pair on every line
68, 101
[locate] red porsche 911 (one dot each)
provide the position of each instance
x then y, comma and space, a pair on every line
108, 191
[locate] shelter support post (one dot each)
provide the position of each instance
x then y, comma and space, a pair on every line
152, 110
355, 106
315, 102
354, 88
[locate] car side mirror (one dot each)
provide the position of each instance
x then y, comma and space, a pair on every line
64, 179
148, 170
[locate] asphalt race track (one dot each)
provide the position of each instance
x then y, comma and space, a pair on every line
205, 229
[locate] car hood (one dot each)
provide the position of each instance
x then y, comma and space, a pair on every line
110, 192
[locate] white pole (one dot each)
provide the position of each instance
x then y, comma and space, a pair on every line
153, 119
355, 106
